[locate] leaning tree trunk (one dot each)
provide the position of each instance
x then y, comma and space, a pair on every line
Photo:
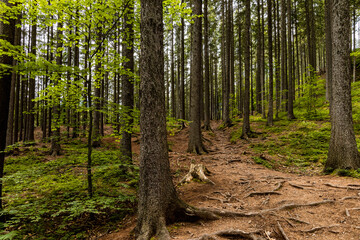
195, 139
343, 152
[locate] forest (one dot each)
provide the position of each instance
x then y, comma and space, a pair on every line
178, 119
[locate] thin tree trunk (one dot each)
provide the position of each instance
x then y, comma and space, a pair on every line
271, 87
290, 113
207, 71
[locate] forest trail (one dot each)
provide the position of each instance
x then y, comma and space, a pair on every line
300, 206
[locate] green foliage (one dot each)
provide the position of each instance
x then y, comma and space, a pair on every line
235, 135
47, 198
173, 125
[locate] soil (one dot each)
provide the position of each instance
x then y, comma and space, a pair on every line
244, 186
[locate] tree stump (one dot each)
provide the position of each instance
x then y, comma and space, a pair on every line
197, 171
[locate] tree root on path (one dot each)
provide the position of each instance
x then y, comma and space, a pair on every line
197, 171
221, 213
349, 187
232, 233
273, 192
318, 228
283, 234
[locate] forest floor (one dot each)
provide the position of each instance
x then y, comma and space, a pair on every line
286, 203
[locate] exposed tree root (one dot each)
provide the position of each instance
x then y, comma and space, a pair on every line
342, 187
233, 233
197, 171
283, 234
298, 220
347, 211
350, 197
273, 192
315, 229
234, 160
262, 193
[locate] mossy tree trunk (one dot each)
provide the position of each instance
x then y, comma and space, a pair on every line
343, 152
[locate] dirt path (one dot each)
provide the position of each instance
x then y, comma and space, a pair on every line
269, 198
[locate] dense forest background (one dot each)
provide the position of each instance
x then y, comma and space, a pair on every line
71, 97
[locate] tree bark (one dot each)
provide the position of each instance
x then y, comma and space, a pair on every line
246, 122
55, 140
195, 144
7, 32
328, 40
271, 85
207, 71
290, 113
343, 152
128, 84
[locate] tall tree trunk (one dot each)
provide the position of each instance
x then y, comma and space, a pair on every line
195, 139
240, 49
172, 73
31, 104
328, 40
283, 54
354, 44
182, 74
290, 113
55, 140
11, 135
246, 122
258, 56
7, 32
343, 152
97, 92
278, 59
158, 200
271, 87
127, 84
207, 71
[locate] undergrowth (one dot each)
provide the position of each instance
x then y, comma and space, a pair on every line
46, 198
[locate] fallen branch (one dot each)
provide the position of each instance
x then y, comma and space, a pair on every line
347, 211
342, 187
197, 171
282, 231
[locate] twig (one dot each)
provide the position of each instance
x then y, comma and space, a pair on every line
349, 197
282, 231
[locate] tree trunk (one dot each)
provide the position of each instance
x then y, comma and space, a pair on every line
182, 72
328, 39
259, 63
290, 113
55, 140
343, 152
7, 32
283, 54
271, 87
195, 139
158, 201
31, 116
206, 75
127, 84
246, 121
